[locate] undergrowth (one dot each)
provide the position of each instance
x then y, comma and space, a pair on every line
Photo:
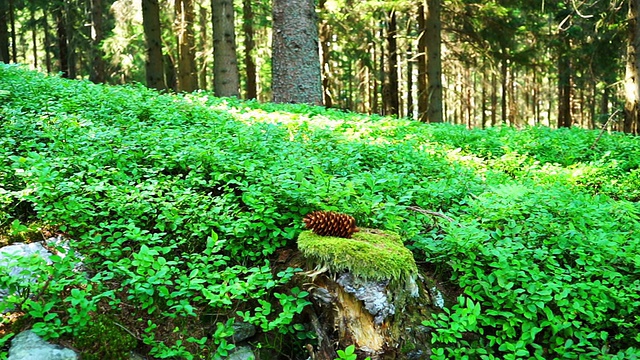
179, 203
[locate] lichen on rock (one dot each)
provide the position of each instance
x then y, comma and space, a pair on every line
370, 254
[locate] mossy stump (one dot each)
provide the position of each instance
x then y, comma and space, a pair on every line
365, 291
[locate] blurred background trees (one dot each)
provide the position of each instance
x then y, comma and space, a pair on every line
474, 62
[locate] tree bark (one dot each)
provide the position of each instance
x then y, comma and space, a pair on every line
61, 30
187, 74
564, 83
4, 32
632, 73
154, 64
47, 39
226, 78
393, 101
251, 91
12, 22
34, 39
97, 35
204, 42
295, 57
325, 40
434, 61
423, 93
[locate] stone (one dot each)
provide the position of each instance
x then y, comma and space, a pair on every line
29, 346
242, 353
242, 331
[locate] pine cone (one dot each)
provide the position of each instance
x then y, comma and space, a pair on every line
329, 223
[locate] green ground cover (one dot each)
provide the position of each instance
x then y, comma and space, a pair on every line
179, 203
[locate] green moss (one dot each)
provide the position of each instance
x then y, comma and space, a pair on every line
103, 339
370, 254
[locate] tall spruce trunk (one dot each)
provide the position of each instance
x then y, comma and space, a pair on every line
251, 90
325, 39
393, 101
4, 32
632, 80
187, 74
61, 31
226, 78
295, 57
434, 61
154, 64
423, 93
564, 82
97, 35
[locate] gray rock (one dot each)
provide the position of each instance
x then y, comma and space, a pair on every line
29, 346
372, 293
242, 353
242, 331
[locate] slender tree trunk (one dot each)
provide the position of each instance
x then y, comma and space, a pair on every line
423, 92
12, 22
296, 61
494, 99
564, 83
251, 91
434, 61
69, 9
34, 38
226, 78
47, 39
97, 35
4, 32
409, 79
187, 74
325, 40
204, 43
392, 44
504, 72
632, 75
154, 64
61, 30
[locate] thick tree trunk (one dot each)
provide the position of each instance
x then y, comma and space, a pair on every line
97, 35
434, 61
226, 78
393, 101
61, 30
564, 83
251, 91
187, 74
632, 75
423, 93
153, 65
296, 74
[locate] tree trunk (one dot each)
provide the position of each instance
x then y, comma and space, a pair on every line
69, 9
379, 314
97, 35
423, 93
632, 75
61, 30
296, 74
154, 64
47, 40
409, 80
504, 71
434, 61
325, 40
251, 91
12, 22
204, 42
187, 74
564, 83
392, 93
226, 78
4, 32
34, 38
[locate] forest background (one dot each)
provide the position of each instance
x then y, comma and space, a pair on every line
553, 63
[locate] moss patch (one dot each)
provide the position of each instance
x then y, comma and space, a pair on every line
370, 254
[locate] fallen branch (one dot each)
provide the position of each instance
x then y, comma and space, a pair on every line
429, 212
604, 127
